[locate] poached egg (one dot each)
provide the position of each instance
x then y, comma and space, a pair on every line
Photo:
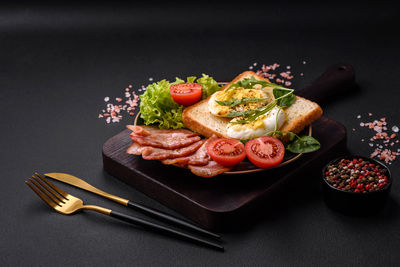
230, 95
260, 126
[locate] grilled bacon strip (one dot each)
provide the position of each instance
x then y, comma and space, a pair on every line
211, 169
200, 157
151, 153
135, 149
181, 148
169, 139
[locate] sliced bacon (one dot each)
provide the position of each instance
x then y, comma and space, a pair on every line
135, 149
138, 130
146, 130
180, 165
181, 148
150, 153
169, 139
180, 162
211, 169
200, 157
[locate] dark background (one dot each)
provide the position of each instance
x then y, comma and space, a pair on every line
57, 63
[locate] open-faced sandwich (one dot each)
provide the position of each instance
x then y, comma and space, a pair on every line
248, 117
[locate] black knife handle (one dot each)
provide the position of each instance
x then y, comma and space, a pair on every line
165, 230
337, 79
171, 219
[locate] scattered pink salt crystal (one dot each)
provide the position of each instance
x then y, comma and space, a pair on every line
112, 113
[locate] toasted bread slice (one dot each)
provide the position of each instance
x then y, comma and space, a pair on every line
199, 119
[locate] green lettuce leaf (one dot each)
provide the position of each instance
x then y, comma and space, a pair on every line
210, 85
191, 79
158, 107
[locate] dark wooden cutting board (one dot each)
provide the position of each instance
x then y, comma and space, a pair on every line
216, 202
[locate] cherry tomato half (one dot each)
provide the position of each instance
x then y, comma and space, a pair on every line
186, 94
225, 151
265, 151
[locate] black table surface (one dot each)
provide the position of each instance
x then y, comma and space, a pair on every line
59, 62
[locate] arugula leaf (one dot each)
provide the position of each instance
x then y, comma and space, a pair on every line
226, 103
244, 100
284, 97
235, 102
304, 144
277, 86
251, 114
248, 83
261, 111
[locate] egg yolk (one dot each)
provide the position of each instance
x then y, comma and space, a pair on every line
238, 94
258, 123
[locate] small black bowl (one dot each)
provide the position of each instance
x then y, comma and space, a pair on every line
355, 203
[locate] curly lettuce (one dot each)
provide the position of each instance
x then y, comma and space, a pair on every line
158, 107
210, 86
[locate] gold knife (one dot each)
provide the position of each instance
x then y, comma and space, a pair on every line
77, 182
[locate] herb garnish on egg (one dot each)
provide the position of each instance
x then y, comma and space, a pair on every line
234, 102
238, 100
284, 98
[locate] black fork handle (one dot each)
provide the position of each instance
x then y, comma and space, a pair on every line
164, 230
171, 219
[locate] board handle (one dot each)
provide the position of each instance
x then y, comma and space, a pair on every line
336, 80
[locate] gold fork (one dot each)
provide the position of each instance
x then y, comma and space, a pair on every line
65, 203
